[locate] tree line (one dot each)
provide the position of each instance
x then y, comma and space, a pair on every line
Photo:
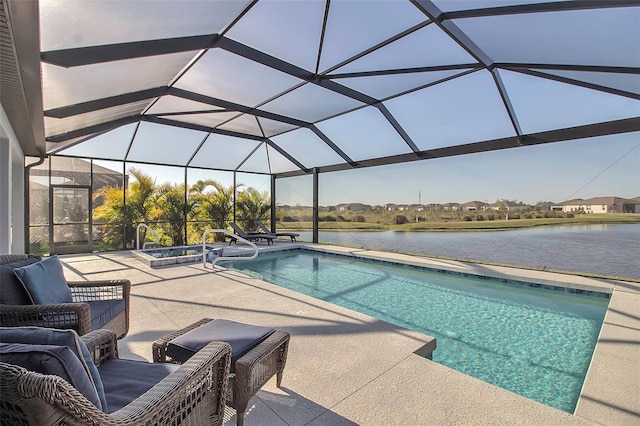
178, 219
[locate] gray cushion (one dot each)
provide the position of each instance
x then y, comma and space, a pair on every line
241, 337
51, 359
125, 379
12, 292
50, 336
103, 311
45, 282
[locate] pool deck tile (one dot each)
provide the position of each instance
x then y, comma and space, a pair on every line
346, 368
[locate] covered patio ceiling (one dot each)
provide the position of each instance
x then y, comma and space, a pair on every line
290, 87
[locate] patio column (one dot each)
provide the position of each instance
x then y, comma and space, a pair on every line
315, 204
273, 203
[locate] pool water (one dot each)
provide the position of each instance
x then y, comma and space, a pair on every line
536, 342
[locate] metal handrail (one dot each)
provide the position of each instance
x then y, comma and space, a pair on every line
138, 235
237, 237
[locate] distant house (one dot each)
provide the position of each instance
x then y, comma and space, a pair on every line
546, 206
353, 207
473, 206
508, 206
416, 207
452, 207
390, 207
432, 207
602, 205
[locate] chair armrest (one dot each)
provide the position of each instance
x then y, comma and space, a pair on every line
102, 345
194, 393
87, 291
76, 316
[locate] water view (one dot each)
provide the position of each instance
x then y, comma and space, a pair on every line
599, 249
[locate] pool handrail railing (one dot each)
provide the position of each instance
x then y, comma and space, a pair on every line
235, 236
144, 245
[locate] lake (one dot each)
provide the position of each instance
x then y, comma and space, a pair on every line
601, 249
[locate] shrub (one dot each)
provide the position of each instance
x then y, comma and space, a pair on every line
569, 215
491, 217
359, 218
400, 220
289, 219
340, 218
514, 216
528, 216
327, 218
467, 218
480, 218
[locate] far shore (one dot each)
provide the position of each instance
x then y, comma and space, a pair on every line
458, 226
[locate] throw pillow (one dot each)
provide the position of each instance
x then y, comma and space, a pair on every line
51, 336
45, 282
12, 292
51, 359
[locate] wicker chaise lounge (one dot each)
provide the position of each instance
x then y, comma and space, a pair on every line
102, 304
193, 393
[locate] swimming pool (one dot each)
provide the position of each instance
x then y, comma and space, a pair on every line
537, 342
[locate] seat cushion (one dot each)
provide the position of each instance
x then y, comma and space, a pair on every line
125, 380
241, 337
12, 292
103, 311
45, 282
50, 336
51, 359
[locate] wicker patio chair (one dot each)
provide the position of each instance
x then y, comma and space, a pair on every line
193, 394
76, 315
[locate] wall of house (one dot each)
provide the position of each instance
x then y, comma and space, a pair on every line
12, 214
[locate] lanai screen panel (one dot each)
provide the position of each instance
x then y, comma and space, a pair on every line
280, 87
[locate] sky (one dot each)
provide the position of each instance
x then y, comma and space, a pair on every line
603, 166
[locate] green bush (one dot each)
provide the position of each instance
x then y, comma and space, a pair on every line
359, 218
467, 218
340, 218
480, 218
400, 219
289, 219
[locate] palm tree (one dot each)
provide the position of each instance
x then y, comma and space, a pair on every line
252, 205
138, 209
213, 207
170, 209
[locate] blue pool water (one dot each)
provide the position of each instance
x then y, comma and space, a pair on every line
532, 341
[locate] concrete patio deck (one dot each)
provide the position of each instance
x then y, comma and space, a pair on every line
346, 368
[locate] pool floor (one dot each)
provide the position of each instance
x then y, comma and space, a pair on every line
534, 342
